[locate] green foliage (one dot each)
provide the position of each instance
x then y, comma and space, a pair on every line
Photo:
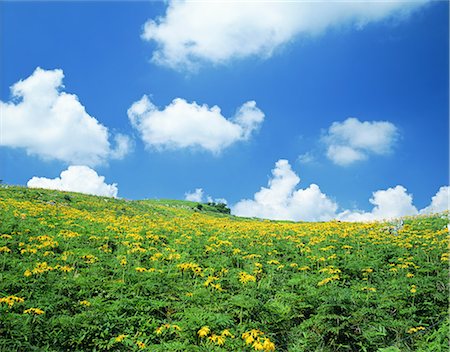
85, 273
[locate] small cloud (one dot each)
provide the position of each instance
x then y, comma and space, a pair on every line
196, 196
189, 125
53, 124
306, 158
77, 179
192, 33
282, 201
123, 146
210, 199
352, 140
199, 196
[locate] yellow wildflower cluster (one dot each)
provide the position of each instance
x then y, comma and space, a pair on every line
414, 330
214, 338
34, 311
258, 341
328, 279
244, 277
330, 270
210, 282
42, 267
4, 249
120, 338
167, 327
89, 258
10, 300
195, 268
369, 289
66, 234
204, 331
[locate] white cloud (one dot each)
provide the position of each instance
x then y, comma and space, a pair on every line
199, 196
439, 202
388, 204
306, 158
353, 140
196, 196
52, 124
192, 32
77, 179
281, 200
189, 125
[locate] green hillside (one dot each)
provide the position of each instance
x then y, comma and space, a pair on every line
86, 273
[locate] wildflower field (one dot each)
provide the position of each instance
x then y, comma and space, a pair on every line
86, 273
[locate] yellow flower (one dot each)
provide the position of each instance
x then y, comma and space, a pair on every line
204, 331
268, 345
217, 339
258, 346
409, 275
85, 303
244, 277
10, 300
140, 344
35, 311
65, 268
4, 249
120, 338
413, 289
226, 332
328, 279
414, 330
371, 289
27, 273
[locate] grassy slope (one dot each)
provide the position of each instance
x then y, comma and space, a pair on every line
156, 272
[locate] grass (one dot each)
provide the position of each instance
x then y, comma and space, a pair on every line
86, 273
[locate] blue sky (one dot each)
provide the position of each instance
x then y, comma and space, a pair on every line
385, 66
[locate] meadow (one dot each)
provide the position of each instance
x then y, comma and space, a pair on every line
86, 273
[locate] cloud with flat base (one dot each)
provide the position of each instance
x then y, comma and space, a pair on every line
182, 125
77, 178
192, 33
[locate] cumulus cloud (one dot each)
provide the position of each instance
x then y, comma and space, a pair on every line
282, 201
439, 202
193, 32
45, 121
352, 140
391, 203
77, 179
196, 196
189, 125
